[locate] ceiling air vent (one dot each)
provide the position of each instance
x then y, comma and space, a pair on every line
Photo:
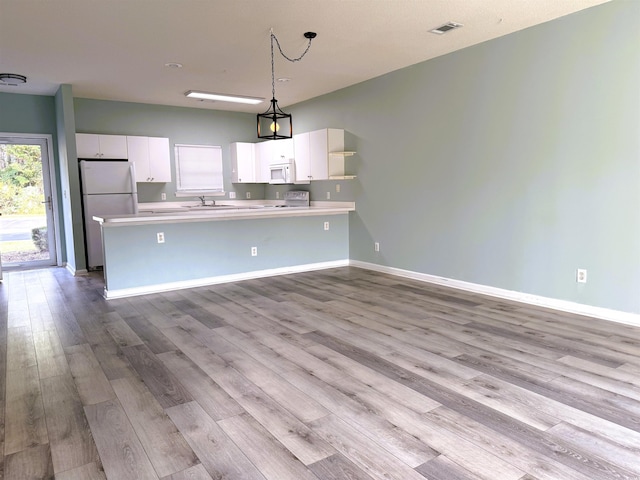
446, 27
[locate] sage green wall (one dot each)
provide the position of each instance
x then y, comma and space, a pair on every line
72, 229
20, 113
180, 125
508, 164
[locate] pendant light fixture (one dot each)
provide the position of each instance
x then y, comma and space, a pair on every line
274, 124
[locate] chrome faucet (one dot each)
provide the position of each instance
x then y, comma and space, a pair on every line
204, 203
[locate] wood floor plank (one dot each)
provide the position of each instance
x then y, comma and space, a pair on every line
337, 467
31, 463
165, 446
21, 352
221, 457
144, 329
371, 458
298, 403
271, 458
89, 377
123, 457
194, 473
442, 468
210, 396
159, 380
24, 418
89, 471
50, 354
69, 435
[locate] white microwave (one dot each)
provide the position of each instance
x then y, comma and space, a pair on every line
282, 172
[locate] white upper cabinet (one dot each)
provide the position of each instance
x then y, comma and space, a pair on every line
152, 158
326, 154
281, 151
301, 157
263, 160
105, 147
243, 163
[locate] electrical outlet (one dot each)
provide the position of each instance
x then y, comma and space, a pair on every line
277, 195
581, 275
328, 195
376, 247
326, 225
248, 195
254, 251
160, 237
232, 195
337, 188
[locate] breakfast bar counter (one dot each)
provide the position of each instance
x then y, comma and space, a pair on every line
157, 250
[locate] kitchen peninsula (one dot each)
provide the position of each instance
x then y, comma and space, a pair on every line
157, 250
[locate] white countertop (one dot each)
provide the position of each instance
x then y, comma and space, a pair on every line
164, 213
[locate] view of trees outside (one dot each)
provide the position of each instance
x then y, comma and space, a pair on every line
23, 221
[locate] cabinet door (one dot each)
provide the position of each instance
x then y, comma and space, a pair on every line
318, 155
263, 160
281, 151
113, 146
87, 145
301, 157
243, 165
159, 160
138, 148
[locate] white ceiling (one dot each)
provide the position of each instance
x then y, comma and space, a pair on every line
117, 49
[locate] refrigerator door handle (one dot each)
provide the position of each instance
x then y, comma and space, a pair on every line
132, 177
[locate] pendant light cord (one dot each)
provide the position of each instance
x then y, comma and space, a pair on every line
292, 60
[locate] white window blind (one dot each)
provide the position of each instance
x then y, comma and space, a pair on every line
198, 170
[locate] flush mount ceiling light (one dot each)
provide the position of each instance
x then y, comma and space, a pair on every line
221, 97
274, 124
446, 28
12, 79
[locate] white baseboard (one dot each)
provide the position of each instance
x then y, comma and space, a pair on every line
203, 282
562, 305
73, 271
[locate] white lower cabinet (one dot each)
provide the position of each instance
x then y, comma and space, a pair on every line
92, 145
152, 158
243, 163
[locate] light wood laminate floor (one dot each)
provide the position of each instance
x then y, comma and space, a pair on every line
337, 374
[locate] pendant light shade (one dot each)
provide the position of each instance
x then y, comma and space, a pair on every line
274, 124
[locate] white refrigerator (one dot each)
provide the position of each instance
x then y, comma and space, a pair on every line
108, 188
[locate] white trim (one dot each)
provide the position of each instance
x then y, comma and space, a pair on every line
52, 183
236, 277
562, 305
70, 268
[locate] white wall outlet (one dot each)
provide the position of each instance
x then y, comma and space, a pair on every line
248, 195
160, 236
277, 195
376, 246
581, 275
326, 225
163, 196
232, 195
254, 251
328, 195
337, 188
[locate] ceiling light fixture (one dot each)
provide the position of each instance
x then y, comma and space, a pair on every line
12, 79
221, 97
274, 124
